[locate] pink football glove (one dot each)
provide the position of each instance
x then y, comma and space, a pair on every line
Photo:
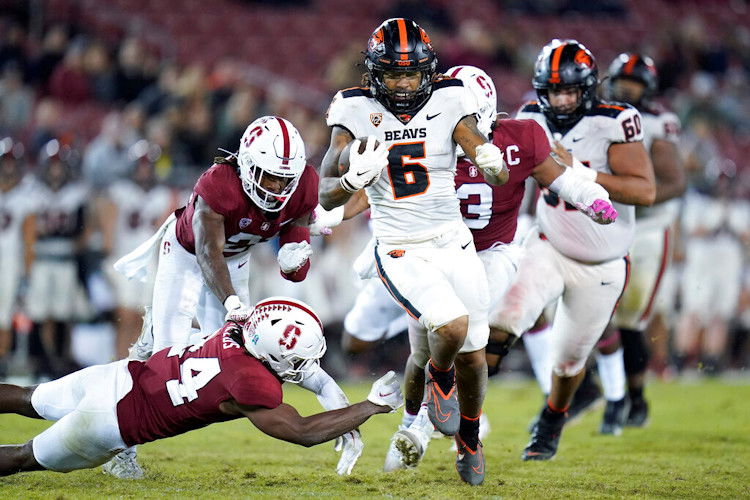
601, 211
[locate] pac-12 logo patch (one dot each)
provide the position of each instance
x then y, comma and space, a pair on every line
376, 118
245, 223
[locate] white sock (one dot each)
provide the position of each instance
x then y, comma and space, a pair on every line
612, 374
537, 346
408, 418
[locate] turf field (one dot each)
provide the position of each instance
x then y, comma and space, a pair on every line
696, 446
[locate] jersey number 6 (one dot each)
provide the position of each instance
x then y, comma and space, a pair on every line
408, 178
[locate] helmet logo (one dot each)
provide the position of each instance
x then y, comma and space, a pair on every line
289, 337
425, 38
583, 58
376, 118
252, 135
482, 82
376, 40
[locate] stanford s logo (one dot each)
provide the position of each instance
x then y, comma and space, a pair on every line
289, 337
395, 254
167, 248
473, 172
376, 118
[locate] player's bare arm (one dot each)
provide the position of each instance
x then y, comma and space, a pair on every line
208, 227
632, 178
547, 171
331, 193
285, 423
467, 135
29, 239
357, 204
671, 180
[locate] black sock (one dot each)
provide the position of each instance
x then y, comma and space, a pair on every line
444, 378
469, 432
635, 393
553, 415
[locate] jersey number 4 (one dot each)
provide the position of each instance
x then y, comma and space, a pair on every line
408, 177
187, 387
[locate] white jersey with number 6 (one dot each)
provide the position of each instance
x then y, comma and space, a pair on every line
415, 197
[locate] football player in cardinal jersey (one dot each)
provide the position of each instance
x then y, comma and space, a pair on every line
236, 372
17, 235
265, 189
633, 79
574, 261
424, 253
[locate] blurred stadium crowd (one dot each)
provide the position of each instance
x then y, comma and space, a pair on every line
91, 90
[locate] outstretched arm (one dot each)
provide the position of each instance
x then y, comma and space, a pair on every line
668, 170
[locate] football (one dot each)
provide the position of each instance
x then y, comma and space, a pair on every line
344, 156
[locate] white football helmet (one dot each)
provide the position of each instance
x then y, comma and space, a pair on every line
482, 88
271, 146
287, 335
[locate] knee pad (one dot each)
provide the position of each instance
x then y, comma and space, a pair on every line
635, 354
501, 349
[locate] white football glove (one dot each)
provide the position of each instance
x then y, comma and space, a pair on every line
386, 391
293, 256
323, 220
236, 310
489, 159
350, 445
365, 168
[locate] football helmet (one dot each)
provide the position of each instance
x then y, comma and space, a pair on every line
483, 90
11, 158
271, 146
286, 335
565, 64
636, 67
400, 45
58, 163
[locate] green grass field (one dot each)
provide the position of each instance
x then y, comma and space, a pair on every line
696, 446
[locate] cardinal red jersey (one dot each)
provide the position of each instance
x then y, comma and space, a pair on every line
180, 389
244, 223
491, 211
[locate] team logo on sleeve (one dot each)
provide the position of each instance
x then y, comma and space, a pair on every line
245, 222
265, 226
376, 118
473, 172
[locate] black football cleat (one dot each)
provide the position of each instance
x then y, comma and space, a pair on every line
469, 463
615, 415
638, 414
544, 438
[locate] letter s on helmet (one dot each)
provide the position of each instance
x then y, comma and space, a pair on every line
286, 335
271, 146
565, 64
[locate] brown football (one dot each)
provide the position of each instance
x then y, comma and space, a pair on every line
344, 156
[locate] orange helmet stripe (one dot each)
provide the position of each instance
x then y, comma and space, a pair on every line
555, 68
402, 38
628, 69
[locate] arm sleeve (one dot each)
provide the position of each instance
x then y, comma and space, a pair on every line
329, 394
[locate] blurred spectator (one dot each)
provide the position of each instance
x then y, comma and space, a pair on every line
195, 133
97, 64
16, 101
12, 50
474, 46
346, 69
52, 52
69, 81
430, 14
240, 110
47, 119
161, 94
130, 76
106, 159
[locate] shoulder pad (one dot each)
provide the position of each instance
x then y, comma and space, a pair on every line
610, 109
356, 92
531, 107
447, 82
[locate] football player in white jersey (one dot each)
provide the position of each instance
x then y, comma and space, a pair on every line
56, 296
424, 252
135, 207
17, 235
633, 80
578, 264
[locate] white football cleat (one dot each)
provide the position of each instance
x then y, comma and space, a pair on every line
393, 456
411, 443
144, 346
124, 465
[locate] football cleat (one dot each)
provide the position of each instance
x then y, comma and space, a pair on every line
615, 415
412, 442
544, 438
144, 346
124, 465
393, 459
638, 414
443, 408
470, 463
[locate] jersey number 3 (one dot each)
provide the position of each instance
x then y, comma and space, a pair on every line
408, 178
